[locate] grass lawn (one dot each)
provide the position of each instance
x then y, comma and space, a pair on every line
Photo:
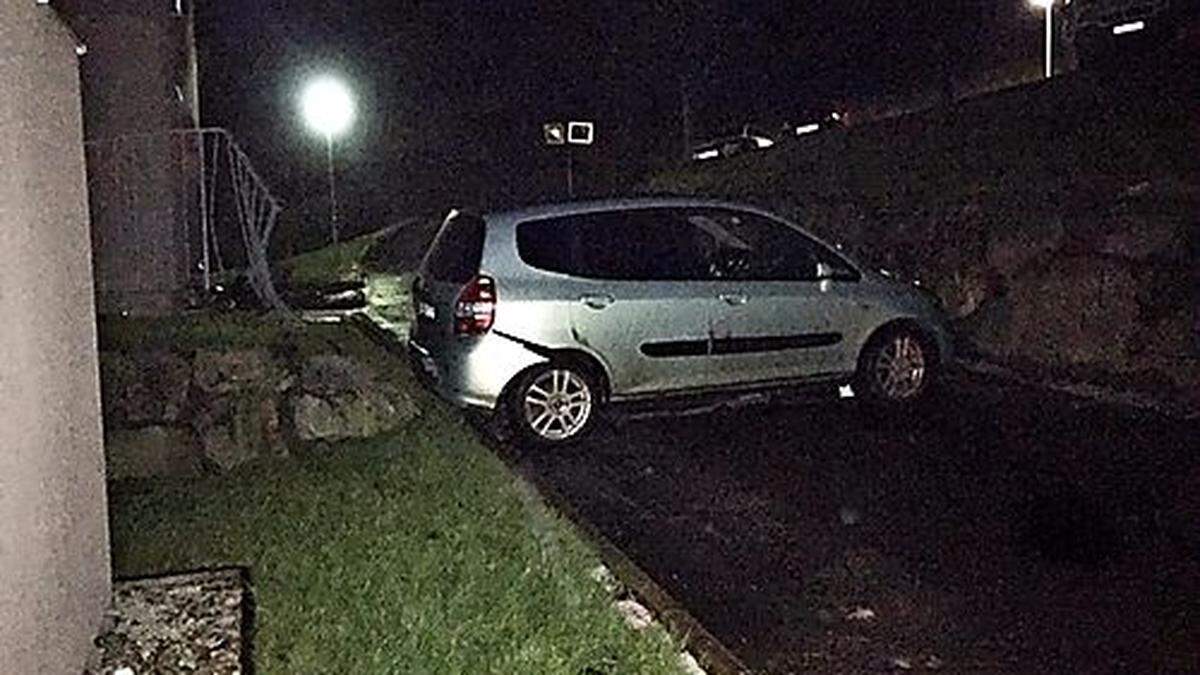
417, 552
329, 264
203, 330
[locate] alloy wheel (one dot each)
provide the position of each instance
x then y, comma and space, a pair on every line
557, 404
900, 367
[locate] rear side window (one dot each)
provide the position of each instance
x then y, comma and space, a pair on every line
755, 248
457, 249
635, 245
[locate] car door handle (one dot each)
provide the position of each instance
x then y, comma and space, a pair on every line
597, 301
733, 298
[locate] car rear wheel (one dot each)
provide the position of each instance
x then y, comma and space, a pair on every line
554, 404
896, 368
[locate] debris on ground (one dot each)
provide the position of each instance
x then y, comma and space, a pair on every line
861, 614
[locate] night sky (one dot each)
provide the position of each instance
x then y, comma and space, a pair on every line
452, 95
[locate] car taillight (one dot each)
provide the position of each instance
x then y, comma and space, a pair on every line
475, 307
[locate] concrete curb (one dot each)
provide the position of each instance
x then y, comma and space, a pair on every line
712, 655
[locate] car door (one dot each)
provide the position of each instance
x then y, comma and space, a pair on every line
777, 319
642, 303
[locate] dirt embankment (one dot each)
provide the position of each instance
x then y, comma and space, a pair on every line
1056, 221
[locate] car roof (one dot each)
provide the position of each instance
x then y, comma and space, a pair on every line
566, 208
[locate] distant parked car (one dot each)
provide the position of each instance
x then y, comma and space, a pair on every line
1110, 32
545, 314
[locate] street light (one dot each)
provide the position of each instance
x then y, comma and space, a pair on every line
1048, 6
329, 109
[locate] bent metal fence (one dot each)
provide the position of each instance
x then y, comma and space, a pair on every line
191, 206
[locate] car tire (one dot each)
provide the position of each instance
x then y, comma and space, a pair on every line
897, 369
553, 404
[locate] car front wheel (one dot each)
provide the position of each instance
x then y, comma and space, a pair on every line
554, 404
896, 368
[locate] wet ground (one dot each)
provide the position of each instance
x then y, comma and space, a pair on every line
1004, 529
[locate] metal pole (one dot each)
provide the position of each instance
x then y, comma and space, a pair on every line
1049, 34
570, 173
333, 210
204, 213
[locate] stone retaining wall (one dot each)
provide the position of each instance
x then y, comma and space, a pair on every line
183, 414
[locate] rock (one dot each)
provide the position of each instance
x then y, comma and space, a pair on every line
148, 388
235, 406
989, 328
313, 418
1010, 250
1144, 236
635, 614
1080, 310
226, 371
340, 398
1168, 346
119, 385
604, 577
331, 374
964, 290
151, 451
356, 415
689, 665
221, 449
240, 427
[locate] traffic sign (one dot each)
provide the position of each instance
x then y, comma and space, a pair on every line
580, 133
555, 133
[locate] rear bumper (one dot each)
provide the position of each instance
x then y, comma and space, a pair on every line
470, 372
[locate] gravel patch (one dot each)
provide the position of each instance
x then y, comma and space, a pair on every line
187, 623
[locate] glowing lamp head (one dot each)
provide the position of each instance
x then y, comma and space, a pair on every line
327, 106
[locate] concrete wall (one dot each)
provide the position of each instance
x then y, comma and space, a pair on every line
139, 84
54, 561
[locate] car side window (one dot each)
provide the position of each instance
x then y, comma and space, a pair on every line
752, 247
631, 245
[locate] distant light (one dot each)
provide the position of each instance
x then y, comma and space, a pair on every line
845, 391
837, 116
1132, 27
1041, 4
327, 106
43, 2
807, 129
762, 141
708, 154
80, 49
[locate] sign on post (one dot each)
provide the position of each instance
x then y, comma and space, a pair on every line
571, 133
580, 133
555, 133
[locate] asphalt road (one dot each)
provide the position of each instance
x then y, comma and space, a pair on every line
1003, 529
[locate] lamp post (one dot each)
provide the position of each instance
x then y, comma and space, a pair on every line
1048, 6
328, 109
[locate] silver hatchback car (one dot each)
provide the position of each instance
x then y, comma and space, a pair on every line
544, 314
